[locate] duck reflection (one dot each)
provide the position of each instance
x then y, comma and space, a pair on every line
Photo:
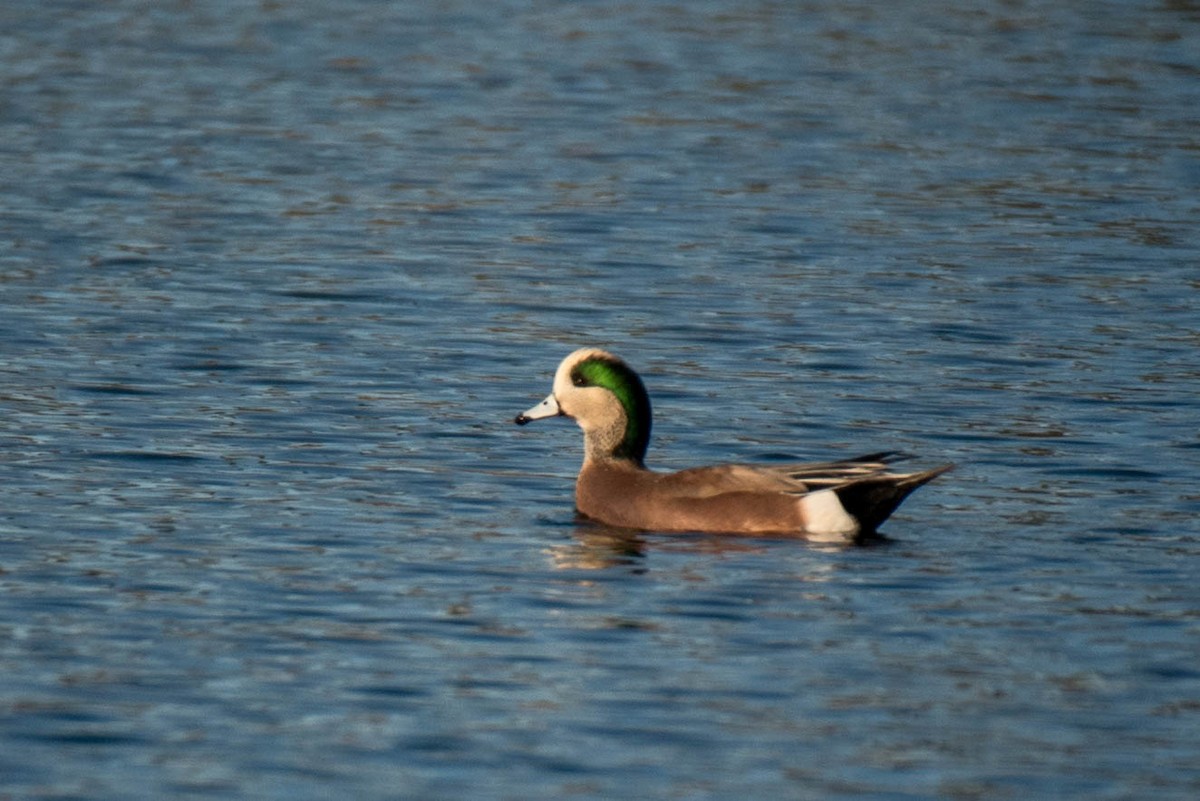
595, 546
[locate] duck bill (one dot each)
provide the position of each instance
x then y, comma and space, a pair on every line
547, 408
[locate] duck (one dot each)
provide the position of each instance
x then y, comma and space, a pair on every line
841, 501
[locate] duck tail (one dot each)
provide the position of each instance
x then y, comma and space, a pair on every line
872, 500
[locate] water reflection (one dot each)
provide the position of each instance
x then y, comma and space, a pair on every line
594, 546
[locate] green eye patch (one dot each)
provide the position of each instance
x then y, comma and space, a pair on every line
629, 391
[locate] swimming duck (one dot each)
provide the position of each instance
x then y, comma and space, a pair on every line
839, 501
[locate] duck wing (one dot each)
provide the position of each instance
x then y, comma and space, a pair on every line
819, 475
795, 479
866, 486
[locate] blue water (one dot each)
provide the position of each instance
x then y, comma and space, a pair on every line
275, 278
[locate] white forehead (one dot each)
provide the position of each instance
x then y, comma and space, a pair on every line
562, 376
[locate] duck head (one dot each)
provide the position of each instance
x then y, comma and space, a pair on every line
608, 401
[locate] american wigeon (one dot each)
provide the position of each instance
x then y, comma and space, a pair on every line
836, 501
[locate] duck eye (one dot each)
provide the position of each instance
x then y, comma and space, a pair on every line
578, 380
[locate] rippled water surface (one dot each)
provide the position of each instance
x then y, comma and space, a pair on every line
275, 277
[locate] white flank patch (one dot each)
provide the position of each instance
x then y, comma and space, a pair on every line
825, 519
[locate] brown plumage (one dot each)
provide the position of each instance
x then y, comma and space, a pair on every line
836, 501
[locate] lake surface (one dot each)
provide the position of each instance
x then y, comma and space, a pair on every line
275, 278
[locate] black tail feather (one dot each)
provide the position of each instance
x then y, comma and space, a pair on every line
872, 500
